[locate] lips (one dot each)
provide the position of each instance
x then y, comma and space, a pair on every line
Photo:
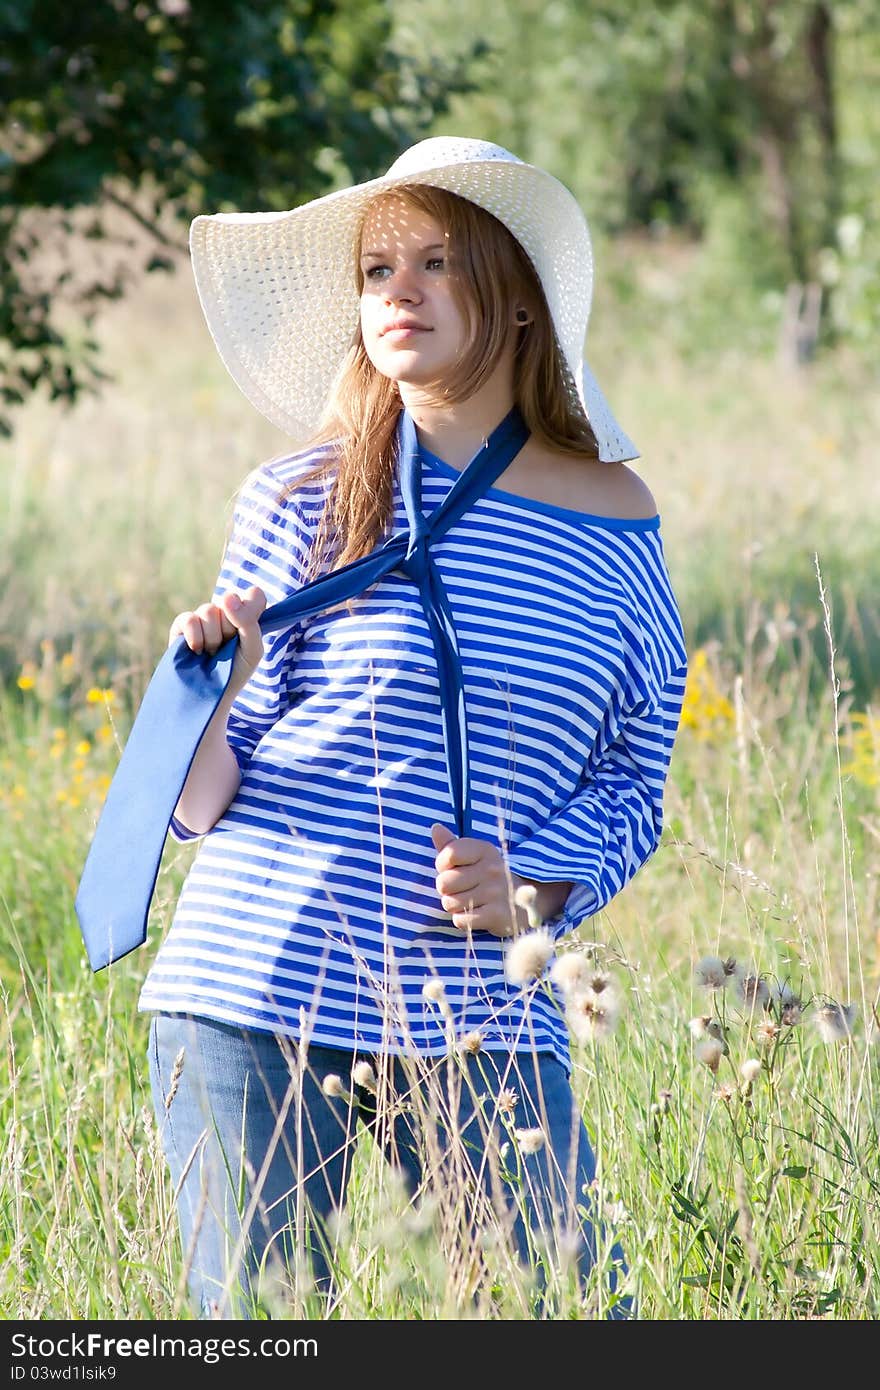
404, 326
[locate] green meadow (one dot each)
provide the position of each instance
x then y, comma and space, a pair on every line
737, 1194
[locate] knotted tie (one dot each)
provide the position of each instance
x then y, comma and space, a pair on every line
119, 876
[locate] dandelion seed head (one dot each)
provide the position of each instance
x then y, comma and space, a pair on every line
363, 1075
704, 1026
472, 1042
332, 1085
507, 1102
569, 971
530, 1141
792, 1013
710, 972
753, 990
726, 1092
766, 1032
834, 1022
750, 1070
709, 1051
592, 1017
784, 994
527, 956
434, 991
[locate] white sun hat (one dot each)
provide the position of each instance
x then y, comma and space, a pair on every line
278, 290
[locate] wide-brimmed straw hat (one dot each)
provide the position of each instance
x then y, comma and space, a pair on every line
279, 296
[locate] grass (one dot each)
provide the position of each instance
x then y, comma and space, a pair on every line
732, 1199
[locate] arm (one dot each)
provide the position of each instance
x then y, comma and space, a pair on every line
215, 774
612, 826
265, 559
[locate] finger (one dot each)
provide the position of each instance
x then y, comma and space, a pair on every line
458, 881
209, 615
482, 919
461, 851
460, 902
243, 611
441, 836
177, 626
189, 627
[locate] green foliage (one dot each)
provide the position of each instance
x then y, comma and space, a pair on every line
749, 127
146, 114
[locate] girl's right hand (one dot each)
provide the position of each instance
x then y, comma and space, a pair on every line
211, 624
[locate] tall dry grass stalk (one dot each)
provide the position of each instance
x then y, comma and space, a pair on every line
741, 1178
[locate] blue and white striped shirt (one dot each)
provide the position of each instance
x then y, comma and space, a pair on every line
311, 908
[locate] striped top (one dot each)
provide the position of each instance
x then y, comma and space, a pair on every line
311, 908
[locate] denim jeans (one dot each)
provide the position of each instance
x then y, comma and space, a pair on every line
260, 1155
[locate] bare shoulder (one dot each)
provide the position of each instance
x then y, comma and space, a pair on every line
585, 485
623, 491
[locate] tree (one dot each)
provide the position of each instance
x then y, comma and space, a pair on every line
748, 124
121, 120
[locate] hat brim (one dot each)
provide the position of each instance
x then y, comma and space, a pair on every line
280, 299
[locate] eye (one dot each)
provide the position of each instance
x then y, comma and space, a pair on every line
435, 263
377, 272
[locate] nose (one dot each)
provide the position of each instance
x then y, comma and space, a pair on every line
402, 287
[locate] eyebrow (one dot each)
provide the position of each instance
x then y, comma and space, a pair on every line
435, 246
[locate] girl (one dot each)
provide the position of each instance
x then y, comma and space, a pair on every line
416, 788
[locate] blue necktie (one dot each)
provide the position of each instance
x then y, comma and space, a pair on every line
119, 876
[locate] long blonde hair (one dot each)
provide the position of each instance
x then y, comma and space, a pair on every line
492, 274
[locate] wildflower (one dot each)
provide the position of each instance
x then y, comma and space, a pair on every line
709, 1051
530, 1140
750, 1070
753, 991
472, 1042
97, 696
713, 973
834, 1022
569, 971
592, 1017
526, 896
661, 1104
507, 1102
332, 1086
726, 1092
528, 955
599, 982
792, 1013
363, 1075
83, 748
767, 1032
434, 991
703, 1026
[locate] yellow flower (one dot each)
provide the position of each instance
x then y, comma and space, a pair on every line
82, 748
97, 696
863, 743
28, 676
705, 709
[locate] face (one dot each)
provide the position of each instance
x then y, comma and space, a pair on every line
413, 328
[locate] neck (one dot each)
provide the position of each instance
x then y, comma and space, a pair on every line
455, 430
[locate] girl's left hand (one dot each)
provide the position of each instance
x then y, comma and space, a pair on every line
475, 885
